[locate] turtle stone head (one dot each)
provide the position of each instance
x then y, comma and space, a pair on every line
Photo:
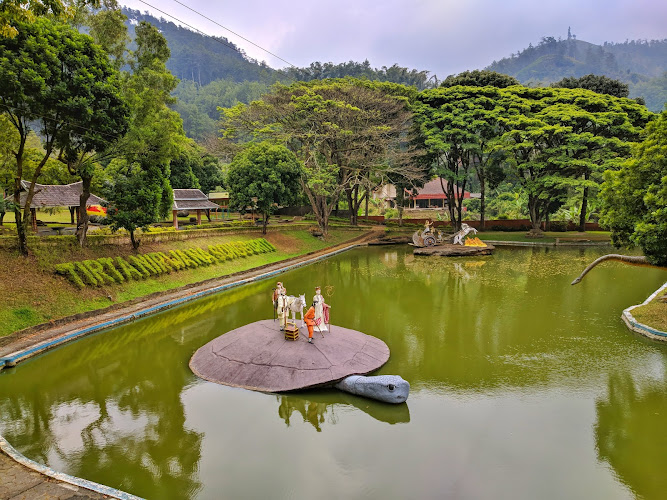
387, 388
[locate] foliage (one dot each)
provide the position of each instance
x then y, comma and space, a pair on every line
108, 29
553, 59
507, 203
597, 83
394, 74
477, 78
562, 139
198, 105
109, 271
138, 191
264, 176
637, 63
653, 91
203, 59
13, 13
138, 196
193, 168
53, 77
346, 133
460, 127
635, 197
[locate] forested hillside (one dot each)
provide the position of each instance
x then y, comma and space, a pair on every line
642, 64
203, 59
218, 73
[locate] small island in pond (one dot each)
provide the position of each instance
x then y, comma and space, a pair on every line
429, 242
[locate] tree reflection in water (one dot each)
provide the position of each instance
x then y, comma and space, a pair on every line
318, 408
637, 455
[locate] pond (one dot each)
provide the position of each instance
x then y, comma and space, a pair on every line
522, 386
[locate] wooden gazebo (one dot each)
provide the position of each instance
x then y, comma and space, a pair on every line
191, 199
53, 195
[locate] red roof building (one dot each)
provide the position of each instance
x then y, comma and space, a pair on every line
433, 195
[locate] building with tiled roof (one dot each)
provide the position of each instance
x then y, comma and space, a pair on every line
191, 199
55, 195
52, 195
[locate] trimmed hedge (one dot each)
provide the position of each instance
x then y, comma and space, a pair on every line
109, 271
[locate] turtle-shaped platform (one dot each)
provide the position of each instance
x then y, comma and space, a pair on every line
257, 357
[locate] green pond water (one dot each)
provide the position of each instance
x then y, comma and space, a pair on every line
522, 386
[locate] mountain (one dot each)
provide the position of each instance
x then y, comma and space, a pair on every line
203, 59
642, 64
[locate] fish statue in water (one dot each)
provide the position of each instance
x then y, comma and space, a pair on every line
386, 388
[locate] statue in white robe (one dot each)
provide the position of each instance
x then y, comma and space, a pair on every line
318, 300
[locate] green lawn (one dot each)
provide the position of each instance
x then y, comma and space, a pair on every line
653, 314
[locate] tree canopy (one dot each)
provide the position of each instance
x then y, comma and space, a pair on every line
477, 78
57, 79
343, 131
264, 176
635, 197
597, 83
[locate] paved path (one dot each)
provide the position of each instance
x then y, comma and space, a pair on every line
20, 483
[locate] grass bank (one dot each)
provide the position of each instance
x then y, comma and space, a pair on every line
33, 294
520, 236
653, 314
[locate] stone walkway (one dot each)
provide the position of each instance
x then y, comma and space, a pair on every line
17, 482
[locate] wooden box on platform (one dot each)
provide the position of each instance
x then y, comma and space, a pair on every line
291, 331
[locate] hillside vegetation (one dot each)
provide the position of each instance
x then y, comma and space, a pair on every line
642, 64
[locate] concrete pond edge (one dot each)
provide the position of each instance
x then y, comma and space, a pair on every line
641, 328
11, 452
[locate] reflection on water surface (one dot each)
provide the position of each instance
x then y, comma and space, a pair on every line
522, 386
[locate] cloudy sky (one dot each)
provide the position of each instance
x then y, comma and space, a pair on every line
441, 36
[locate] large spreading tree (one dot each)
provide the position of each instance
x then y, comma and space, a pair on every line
345, 132
559, 141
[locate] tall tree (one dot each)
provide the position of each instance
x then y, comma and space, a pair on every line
635, 197
264, 176
52, 76
139, 192
460, 127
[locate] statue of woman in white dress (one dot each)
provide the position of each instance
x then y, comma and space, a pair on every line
318, 300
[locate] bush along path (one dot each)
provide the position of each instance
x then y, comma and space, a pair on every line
109, 271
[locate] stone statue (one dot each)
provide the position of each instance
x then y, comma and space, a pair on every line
386, 388
296, 305
459, 237
320, 319
282, 307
